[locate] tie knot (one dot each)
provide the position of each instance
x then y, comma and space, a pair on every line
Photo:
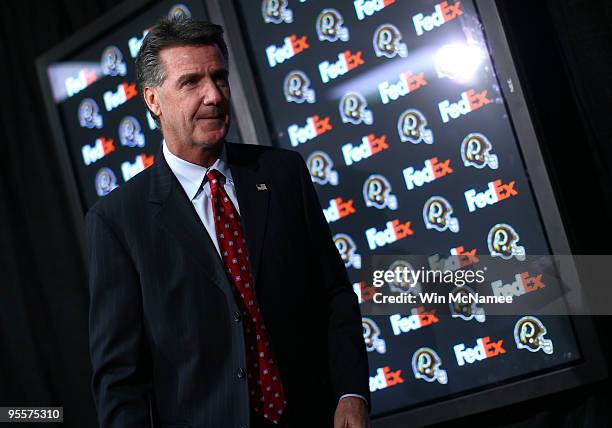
213, 175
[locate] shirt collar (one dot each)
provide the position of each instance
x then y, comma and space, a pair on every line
192, 176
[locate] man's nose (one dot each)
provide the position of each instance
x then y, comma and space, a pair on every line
211, 93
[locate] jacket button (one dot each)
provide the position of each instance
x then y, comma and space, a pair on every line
237, 316
241, 373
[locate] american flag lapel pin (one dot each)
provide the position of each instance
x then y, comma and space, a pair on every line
261, 186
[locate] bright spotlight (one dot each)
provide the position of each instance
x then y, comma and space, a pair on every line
458, 61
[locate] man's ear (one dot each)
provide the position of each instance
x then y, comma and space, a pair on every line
151, 97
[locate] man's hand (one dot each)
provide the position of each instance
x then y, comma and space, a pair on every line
351, 413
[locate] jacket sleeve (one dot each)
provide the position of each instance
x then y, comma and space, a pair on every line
347, 354
121, 381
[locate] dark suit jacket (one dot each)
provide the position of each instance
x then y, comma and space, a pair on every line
166, 338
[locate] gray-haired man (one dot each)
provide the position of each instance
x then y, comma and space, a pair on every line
218, 298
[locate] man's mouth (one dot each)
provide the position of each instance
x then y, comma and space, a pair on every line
216, 117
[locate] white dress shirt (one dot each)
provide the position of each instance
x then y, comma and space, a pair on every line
193, 180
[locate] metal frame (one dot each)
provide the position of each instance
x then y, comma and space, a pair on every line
75, 42
530, 150
592, 367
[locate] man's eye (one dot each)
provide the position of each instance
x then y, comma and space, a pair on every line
188, 83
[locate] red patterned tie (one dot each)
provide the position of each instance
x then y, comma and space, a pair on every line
265, 387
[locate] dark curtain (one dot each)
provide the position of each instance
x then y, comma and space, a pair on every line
564, 59
562, 50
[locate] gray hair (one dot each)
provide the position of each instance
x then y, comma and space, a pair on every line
169, 33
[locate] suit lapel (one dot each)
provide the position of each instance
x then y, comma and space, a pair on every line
253, 193
176, 214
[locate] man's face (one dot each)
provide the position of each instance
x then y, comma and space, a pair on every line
193, 101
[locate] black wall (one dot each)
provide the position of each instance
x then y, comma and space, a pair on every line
563, 52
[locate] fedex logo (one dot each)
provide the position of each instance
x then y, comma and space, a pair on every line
419, 318
338, 209
365, 8
406, 84
460, 258
385, 378
432, 170
141, 163
314, 127
496, 192
347, 61
484, 349
101, 148
134, 43
443, 13
125, 91
370, 145
393, 232
522, 284
292, 46
76, 84
470, 101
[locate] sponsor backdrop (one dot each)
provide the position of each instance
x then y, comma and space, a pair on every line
398, 112
109, 133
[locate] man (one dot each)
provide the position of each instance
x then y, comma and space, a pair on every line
217, 297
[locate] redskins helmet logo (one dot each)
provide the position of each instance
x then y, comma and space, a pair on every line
347, 249
330, 26
476, 152
377, 193
106, 181
112, 63
297, 88
503, 242
179, 11
426, 365
412, 127
437, 214
320, 166
89, 114
529, 334
466, 311
276, 12
410, 285
388, 42
129, 132
353, 109
371, 336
